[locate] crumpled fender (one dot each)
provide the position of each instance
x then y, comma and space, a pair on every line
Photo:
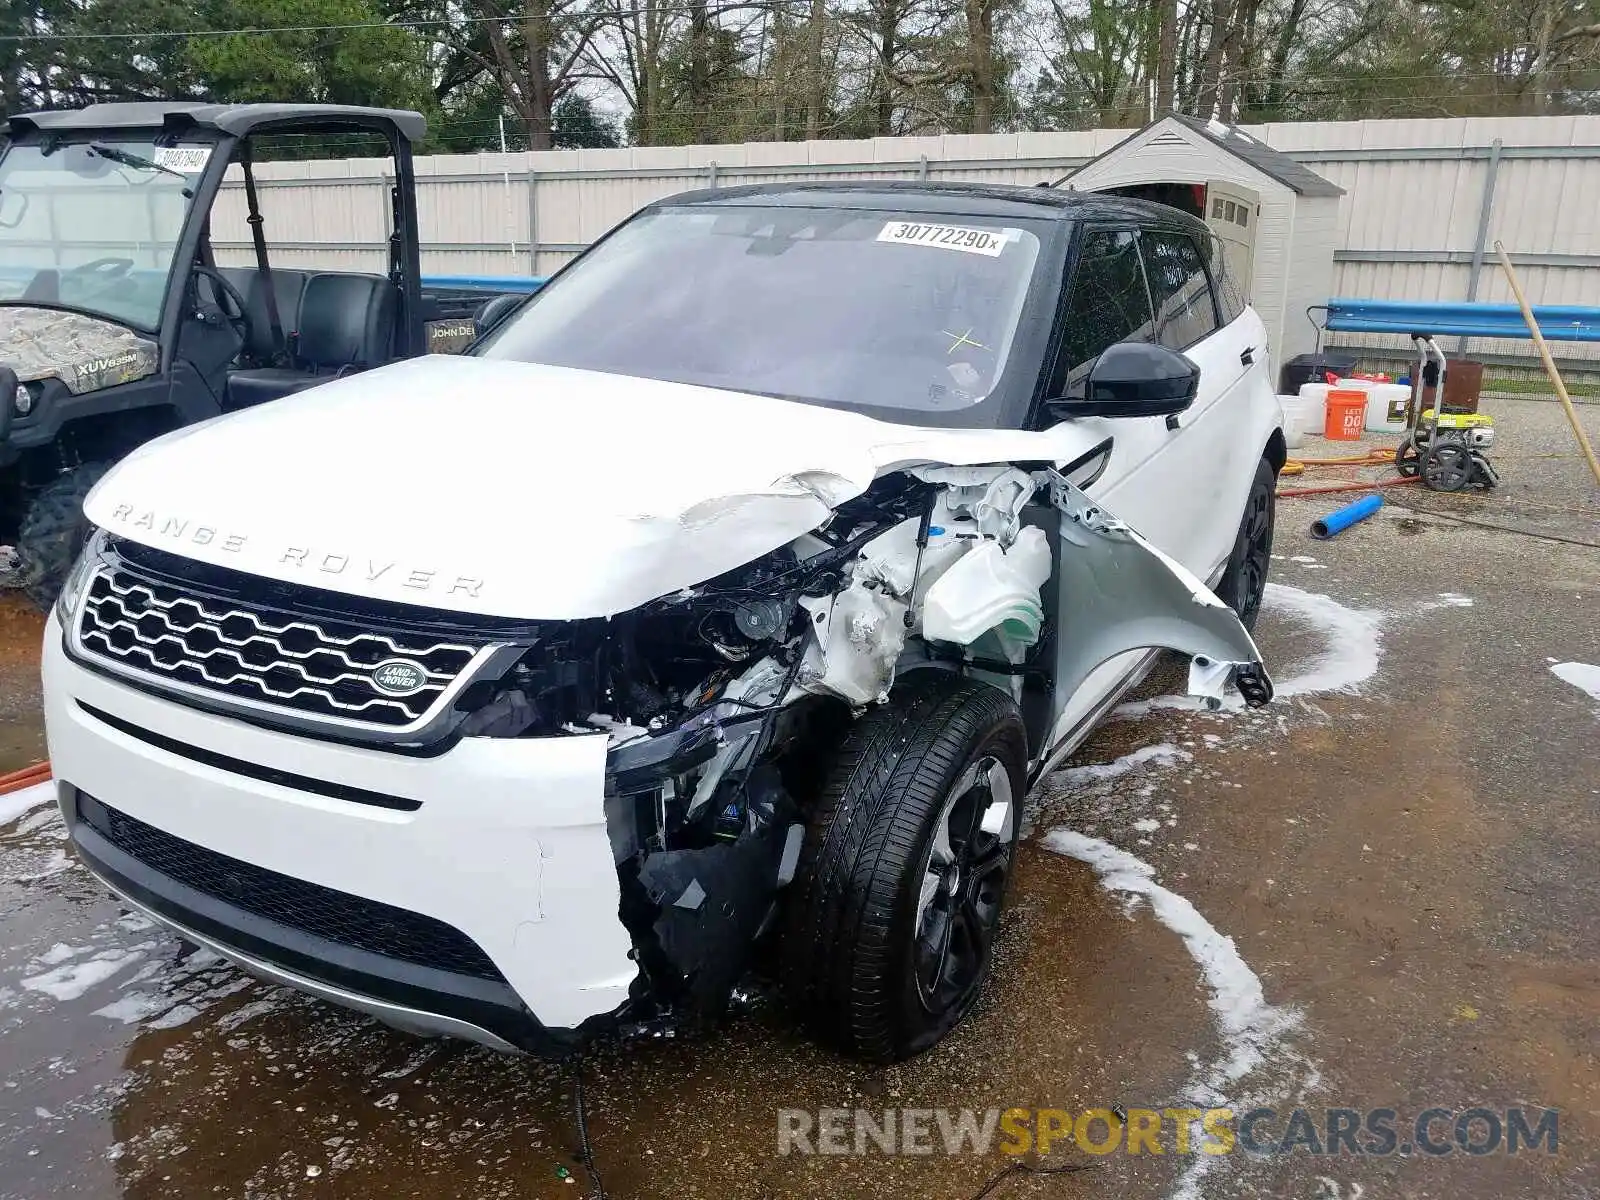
1119, 593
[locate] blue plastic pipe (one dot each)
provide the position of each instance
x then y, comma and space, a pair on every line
1337, 522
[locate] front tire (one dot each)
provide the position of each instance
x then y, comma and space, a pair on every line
53, 532
891, 921
1244, 580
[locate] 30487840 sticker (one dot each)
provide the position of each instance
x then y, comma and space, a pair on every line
190, 160
965, 238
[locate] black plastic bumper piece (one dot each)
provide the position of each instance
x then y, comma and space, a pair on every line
490, 1004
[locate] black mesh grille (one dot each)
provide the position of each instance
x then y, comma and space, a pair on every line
315, 666
308, 907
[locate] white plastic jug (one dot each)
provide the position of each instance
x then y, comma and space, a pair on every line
1294, 415
1386, 407
1314, 397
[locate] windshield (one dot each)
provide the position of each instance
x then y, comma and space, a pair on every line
866, 310
94, 226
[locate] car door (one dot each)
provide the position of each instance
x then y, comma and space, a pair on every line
1108, 301
1154, 462
1208, 451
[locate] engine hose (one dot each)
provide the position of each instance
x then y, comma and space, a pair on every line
15, 781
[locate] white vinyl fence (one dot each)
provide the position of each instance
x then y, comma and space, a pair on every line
1425, 201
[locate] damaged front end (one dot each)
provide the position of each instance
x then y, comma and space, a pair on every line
721, 703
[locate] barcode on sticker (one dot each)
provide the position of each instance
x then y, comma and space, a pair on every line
947, 237
191, 160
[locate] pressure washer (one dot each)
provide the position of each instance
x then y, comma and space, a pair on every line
1448, 450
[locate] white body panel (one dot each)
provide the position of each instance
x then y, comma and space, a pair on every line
548, 493
509, 845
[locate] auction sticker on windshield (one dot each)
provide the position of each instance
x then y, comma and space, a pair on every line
947, 237
191, 160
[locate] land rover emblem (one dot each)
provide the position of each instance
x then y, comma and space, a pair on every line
399, 677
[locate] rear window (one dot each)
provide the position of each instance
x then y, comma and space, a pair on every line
1230, 299
869, 310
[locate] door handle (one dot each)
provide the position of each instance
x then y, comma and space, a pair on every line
1247, 356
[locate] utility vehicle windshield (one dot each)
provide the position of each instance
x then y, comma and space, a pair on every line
860, 309
93, 225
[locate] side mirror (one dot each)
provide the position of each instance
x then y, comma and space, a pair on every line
492, 312
1135, 379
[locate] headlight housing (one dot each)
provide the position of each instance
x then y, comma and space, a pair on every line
76, 585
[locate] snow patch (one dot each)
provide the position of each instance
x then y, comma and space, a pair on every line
14, 804
1147, 825
1253, 1033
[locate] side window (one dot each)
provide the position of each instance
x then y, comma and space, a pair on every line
1229, 299
1109, 303
1179, 288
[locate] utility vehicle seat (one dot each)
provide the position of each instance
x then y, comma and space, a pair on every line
287, 286
346, 323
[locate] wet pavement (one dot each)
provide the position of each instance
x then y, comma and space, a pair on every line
1404, 851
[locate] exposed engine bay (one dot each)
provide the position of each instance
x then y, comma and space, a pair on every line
719, 701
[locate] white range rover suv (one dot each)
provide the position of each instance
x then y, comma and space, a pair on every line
713, 616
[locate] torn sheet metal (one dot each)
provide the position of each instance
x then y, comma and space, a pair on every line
1120, 593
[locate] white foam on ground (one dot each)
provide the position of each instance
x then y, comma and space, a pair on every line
1583, 676
1161, 752
1253, 1034
73, 979
133, 1007
14, 804
59, 953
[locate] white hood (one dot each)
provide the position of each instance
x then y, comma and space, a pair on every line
516, 490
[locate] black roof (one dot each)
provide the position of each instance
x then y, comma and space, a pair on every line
997, 200
238, 119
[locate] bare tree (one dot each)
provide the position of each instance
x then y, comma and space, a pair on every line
531, 48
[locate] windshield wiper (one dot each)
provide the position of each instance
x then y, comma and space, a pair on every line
132, 160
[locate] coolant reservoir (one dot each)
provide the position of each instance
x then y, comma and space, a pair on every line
991, 589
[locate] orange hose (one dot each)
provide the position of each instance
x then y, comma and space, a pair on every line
15, 781
1346, 487
1377, 457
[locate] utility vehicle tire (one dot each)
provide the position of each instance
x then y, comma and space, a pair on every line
1244, 581
890, 923
53, 531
